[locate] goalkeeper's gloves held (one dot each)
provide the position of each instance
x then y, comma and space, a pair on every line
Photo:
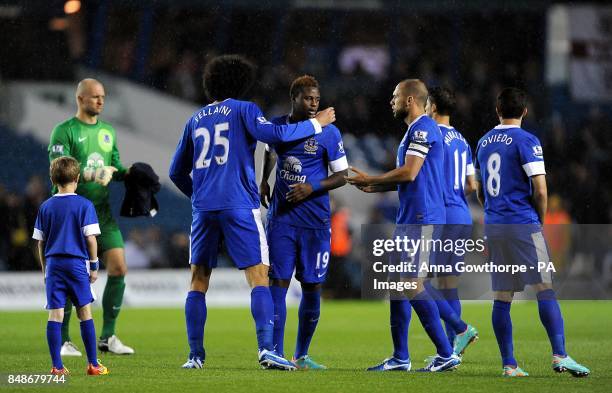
104, 175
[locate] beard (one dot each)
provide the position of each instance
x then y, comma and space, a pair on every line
91, 111
400, 114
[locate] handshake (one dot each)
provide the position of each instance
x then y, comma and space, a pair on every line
102, 175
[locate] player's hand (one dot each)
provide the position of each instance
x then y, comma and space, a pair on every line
89, 174
326, 116
368, 189
104, 175
264, 194
93, 276
299, 192
360, 180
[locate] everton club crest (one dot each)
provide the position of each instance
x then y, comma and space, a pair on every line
311, 146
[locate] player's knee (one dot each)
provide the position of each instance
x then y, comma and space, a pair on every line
257, 275
114, 261
116, 268
504, 296
413, 287
280, 283
56, 315
200, 277
447, 282
542, 287
310, 287
84, 313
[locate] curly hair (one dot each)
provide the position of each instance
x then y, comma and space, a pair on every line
228, 76
301, 83
444, 98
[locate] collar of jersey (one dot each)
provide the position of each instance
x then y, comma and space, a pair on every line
445, 126
217, 102
62, 195
87, 124
505, 126
415, 120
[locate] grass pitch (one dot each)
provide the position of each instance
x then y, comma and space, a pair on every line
351, 336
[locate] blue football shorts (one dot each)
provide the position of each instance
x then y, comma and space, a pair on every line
517, 245
240, 229
305, 250
418, 250
67, 277
457, 234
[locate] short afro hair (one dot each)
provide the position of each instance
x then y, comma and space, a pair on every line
228, 76
300, 83
511, 103
445, 101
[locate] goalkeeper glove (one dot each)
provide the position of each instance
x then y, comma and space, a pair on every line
104, 175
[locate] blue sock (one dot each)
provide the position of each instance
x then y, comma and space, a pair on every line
262, 309
88, 334
195, 317
280, 317
502, 326
426, 309
550, 315
447, 313
452, 297
401, 312
308, 318
54, 339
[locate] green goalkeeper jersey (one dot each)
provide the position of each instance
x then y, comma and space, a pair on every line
93, 146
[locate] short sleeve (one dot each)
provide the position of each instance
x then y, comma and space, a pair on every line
531, 156
39, 233
335, 152
90, 225
419, 142
59, 143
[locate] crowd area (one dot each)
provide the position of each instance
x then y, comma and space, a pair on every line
358, 58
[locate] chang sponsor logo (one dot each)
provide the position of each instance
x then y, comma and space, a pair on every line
292, 169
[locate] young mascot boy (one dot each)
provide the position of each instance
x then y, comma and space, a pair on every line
66, 229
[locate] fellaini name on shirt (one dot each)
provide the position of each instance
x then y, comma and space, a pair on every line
209, 110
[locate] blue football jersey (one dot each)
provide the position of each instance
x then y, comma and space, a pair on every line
218, 147
62, 222
306, 161
457, 165
506, 157
422, 201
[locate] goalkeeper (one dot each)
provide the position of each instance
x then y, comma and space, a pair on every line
93, 143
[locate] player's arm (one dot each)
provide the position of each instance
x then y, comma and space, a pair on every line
41, 255
532, 161
182, 163
470, 184
266, 132
407, 173
115, 171
91, 229
94, 263
540, 195
59, 145
480, 193
119, 175
269, 161
301, 191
